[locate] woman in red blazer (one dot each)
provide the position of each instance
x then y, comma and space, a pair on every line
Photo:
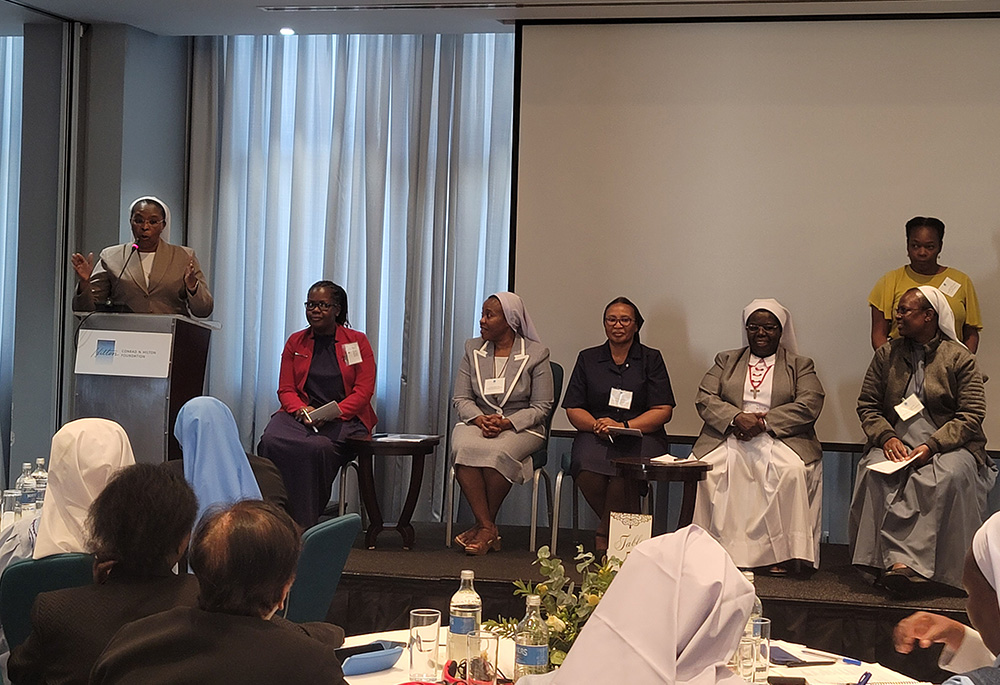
323, 363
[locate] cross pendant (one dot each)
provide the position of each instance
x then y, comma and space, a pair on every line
753, 391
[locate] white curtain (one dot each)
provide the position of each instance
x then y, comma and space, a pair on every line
379, 162
11, 49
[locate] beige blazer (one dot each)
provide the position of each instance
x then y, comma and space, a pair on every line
796, 401
165, 293
527, 397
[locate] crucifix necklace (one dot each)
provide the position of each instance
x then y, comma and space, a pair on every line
756, 373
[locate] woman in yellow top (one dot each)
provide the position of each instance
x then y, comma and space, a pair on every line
924, 237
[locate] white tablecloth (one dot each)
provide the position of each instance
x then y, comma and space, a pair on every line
400, 673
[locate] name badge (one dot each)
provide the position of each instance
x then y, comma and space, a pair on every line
352, 353
909, 407
620, 399
949, 287
494, 386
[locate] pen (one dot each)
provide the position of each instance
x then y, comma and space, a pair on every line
846, 660
864, 678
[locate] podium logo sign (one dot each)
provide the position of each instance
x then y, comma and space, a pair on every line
123, 353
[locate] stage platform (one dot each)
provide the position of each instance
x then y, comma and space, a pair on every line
834, 609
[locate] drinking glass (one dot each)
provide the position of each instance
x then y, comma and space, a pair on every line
761, 632
746, 654
425, 626
11, 510
481, 668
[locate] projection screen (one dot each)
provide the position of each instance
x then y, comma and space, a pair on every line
695, 166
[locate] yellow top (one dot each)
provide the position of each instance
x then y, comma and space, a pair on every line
886, 293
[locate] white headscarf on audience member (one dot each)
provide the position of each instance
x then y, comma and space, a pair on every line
166, 213
85, 454
986, 549
946, 317
517, 316
674, 614
788, 339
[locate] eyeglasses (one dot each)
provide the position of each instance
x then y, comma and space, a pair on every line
322, 306
754, 328
612, 321
903, 311
139, 221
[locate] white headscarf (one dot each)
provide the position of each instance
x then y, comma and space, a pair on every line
517, 316
788, 339
986, 549
673, 614
85, 454
166, 213
946, 317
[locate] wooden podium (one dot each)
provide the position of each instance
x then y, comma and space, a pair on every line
138, 370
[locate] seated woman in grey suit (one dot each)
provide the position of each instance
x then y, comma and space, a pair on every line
763, 497
148, 276
503, 394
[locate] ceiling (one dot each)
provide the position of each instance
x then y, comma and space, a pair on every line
226, 17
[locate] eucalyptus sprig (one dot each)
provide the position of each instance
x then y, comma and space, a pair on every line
565, 606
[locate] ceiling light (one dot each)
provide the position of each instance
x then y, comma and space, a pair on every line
287, 31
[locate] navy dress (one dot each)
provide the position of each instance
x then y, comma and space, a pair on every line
309, 460
595, 374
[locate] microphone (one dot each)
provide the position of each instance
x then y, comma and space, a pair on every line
135, 248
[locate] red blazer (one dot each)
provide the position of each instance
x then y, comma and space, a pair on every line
359, 379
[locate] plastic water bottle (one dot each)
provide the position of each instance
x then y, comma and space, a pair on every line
41, 477
531, 641
758, 608
466, 615
26, 485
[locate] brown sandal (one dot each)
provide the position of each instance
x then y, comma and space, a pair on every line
485, 541
464, 538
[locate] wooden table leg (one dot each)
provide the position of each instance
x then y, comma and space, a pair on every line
366, 483
687, 504
416, 478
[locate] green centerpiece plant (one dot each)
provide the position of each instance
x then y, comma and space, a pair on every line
566, 606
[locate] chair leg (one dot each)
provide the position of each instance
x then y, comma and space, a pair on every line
449, 511
534, 509
576, 511
556, 496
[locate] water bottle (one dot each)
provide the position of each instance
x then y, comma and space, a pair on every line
466, 614
531, 641
757, 611
26, 485
41, 477
758, 608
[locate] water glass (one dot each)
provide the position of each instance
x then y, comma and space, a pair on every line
11, 508
425, 626
746, 654
761, 634
481, 668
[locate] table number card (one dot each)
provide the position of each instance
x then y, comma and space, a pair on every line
627, 531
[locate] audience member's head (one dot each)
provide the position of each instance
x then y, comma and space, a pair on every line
85, 454
214, 461
981, 579
674, 613
142, 520
245, 558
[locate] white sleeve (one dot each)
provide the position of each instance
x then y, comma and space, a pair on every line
970, 655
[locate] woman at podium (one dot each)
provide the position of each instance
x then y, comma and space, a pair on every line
148, 276
327, 362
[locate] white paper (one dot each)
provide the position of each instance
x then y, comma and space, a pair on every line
949, 287
909, 407
889, 466
328, 412
352, 353
494, 386
620, 399
671, 459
